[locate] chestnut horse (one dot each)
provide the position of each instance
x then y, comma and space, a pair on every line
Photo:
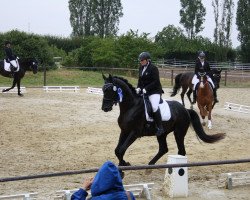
184, 81
205, 99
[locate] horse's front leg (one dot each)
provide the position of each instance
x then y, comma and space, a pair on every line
202, 114
13, 85
125, 140
209, 124
163, 149
182, 95
19, 88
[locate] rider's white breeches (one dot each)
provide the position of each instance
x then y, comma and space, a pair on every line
14, 63
195, 80
155, 100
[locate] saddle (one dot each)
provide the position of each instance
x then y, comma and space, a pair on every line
8, 66
164, 108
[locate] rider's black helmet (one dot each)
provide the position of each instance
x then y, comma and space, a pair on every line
144, 56
202, 54
7, 42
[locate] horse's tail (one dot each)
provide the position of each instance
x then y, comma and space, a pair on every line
195, 120
177, 85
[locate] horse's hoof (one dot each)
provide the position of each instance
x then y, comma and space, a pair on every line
4, 90
124, 163
21, 95
127, 164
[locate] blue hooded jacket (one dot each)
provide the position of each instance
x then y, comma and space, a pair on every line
107, 185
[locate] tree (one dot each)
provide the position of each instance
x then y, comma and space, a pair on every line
243, 25
192, 16
81, 18
223, 25
106, 14
95, 17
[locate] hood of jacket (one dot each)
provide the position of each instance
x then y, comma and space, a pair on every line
107, 183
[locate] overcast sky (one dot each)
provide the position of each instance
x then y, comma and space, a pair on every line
52, 17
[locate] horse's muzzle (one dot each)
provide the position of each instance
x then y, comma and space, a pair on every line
106, 109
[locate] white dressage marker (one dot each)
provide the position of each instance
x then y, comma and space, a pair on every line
93, 90
232, 179
14, 90
237, 107
27, 196
61, 88
141, 190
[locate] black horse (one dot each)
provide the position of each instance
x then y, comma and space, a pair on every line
184, 81
133, 124
25, 64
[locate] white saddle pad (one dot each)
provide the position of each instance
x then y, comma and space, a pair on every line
7, 66
165, 112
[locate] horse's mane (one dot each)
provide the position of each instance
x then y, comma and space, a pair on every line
126, 82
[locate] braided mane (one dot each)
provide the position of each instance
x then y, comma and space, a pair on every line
127, 83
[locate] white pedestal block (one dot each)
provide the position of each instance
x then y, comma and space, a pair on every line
176, 179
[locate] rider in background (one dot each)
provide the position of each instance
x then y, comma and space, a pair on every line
202, 66
10, 57
149, 84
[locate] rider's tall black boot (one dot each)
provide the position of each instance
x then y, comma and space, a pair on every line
195, 93
12, 68
215, 96
158, 122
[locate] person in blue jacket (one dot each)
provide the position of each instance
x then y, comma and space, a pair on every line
106, 185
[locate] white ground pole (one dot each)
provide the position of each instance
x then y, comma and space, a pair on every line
176, 179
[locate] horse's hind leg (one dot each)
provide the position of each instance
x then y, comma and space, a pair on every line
179, 135
184, 89
19, 87
13, 85
190, 91
163, 149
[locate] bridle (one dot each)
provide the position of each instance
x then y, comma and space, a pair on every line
114, 88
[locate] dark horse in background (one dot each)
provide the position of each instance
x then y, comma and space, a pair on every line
184, 81
133, 124
25, 64
205, 99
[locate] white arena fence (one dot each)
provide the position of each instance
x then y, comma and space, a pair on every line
93, 90
61, 88
237, 107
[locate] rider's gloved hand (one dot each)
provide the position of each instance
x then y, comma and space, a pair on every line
138, 90
144, 91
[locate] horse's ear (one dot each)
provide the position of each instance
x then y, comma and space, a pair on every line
110, 78
104, 77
